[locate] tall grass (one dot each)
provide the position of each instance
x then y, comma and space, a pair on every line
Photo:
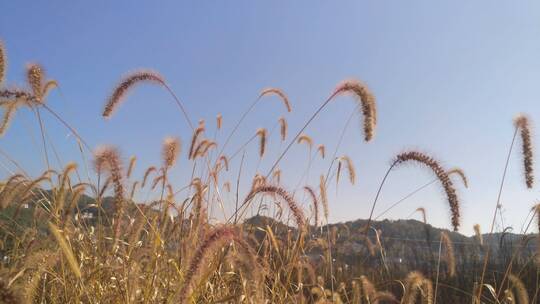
124, 236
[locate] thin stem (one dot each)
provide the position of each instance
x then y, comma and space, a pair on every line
486, 258
377, 196
438, 271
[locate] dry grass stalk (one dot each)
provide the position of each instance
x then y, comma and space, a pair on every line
194, 139
537, 211
126, 84
449, 254
132, 161
416, 284
315, 202
107, 158
280, 94
293, 206
324, 196
66, 249
9, 112
146, 174
423, 211
519, 288
442, 176
522, 124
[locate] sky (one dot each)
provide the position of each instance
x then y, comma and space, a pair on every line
448, 77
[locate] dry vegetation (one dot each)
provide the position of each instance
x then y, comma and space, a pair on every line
67, 240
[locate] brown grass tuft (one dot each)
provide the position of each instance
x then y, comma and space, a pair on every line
414, 284
127, 83
442, 176
367, 103
522, 124
280, 94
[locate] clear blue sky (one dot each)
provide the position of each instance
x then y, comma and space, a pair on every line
448, 77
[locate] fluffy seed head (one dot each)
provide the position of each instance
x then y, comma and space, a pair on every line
9, 111
261, 132
459, 172
366, 101
423, 211
305, 139
146, 174
442, 176
350, 168
413, 284
194, 139
478, 234
280, 94
321, 150
127, 83
219, 121
35, 76
3, 62
107, 159
49, 85
283, 128
170, 151
132, 161
520, 289
522, 124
